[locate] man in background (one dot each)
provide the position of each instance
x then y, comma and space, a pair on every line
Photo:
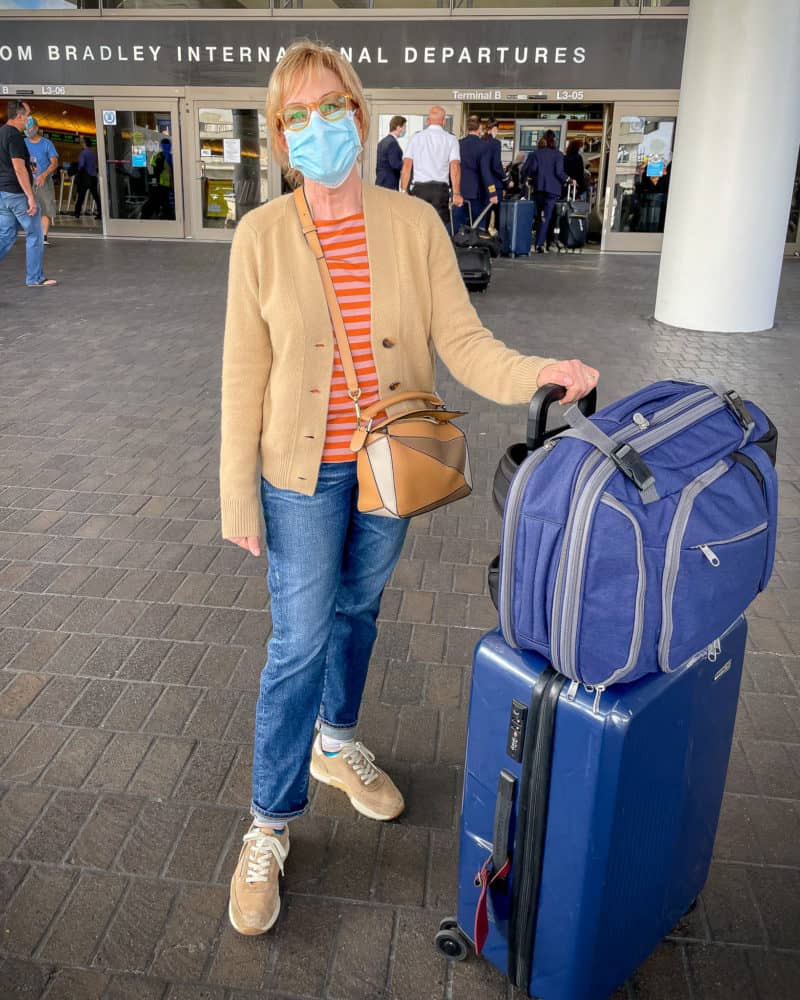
435, 158
494, 160
390, 155
17, 202
477, 184
44, 163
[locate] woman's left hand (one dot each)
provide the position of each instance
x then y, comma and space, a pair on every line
576, 377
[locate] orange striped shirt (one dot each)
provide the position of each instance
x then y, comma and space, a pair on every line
344, 243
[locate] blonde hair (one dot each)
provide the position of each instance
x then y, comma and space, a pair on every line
303, 58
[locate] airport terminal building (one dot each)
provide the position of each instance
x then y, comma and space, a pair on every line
128, 73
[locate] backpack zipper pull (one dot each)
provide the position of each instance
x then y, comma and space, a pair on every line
712, 557
572, 690
714, 650
641, 421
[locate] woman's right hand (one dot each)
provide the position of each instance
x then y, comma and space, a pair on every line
250, 542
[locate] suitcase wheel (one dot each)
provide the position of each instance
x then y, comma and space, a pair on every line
450, 942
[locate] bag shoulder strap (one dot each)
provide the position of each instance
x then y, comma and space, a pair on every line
312, 239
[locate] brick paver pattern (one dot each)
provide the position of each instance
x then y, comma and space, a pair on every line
132, 638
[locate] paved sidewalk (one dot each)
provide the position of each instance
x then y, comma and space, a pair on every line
131, 641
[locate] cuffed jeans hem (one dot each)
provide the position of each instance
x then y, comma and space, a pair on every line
340, 733
277, 818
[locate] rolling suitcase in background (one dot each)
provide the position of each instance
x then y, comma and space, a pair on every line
474, 262
516, 227
588, 820
572, 221
471, 235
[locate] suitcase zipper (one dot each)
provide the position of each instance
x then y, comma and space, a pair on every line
573, 553
672, 554
711, 555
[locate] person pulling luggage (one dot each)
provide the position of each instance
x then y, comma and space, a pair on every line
545, 168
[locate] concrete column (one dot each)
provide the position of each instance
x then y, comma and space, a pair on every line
733, 166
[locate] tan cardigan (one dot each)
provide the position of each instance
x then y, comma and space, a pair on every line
278, 353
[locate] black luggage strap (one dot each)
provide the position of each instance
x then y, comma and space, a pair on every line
732, 400
629, 462
495, 869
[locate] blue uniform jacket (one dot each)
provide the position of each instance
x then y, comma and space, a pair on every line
495, 162
545, 167
389, 163
475, 174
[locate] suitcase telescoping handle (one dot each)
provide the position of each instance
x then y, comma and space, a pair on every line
539, 408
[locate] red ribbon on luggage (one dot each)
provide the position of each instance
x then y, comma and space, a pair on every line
485, 879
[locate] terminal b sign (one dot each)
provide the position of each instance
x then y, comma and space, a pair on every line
463, 54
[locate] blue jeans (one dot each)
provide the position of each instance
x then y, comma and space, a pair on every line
328, 565
13, 213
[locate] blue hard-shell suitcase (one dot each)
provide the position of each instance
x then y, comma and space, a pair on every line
598, 811
516, 227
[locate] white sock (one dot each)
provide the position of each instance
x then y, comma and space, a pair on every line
330, 745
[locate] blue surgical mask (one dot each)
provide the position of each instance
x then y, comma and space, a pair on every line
30, 122
325, 151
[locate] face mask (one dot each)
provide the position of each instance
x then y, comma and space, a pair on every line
30, 122
325, 151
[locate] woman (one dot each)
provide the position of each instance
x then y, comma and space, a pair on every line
574, 166
284, 402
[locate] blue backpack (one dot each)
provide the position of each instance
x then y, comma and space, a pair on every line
633, 540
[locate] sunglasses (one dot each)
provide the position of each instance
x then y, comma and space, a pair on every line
332, 107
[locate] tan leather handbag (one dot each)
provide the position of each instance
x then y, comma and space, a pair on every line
409, 462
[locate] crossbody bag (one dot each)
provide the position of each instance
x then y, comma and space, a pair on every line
407, 463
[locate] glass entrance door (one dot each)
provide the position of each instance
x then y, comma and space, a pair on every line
231, 160
140, 176
637, 188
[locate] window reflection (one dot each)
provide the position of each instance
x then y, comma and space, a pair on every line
234, 158
644, 161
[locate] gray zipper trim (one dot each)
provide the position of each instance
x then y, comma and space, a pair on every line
703, 653
641, 587
514, 502
736, 538
516, 493
574, 549
672, 555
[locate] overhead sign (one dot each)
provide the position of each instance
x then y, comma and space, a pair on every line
523, 54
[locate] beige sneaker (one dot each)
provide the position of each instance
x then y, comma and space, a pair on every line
370, 790
255, 899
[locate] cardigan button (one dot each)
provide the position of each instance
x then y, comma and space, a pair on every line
387, 342
393, 386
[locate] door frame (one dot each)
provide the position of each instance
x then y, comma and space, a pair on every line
636, 242
145, 228
193, 164
401, 106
